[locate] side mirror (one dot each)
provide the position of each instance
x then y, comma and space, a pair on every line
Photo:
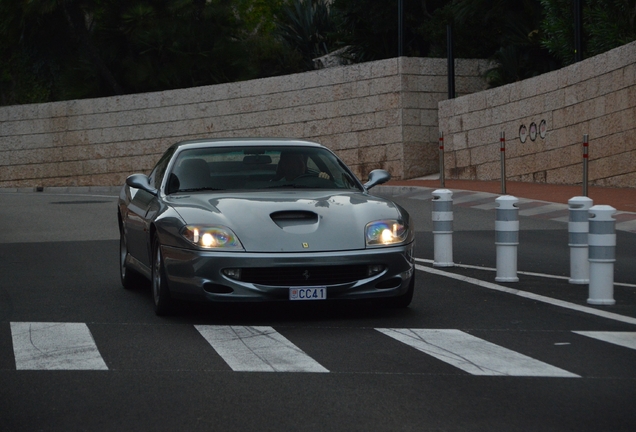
377, 177
140, 181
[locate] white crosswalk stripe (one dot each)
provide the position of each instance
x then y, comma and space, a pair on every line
473, 355
625, 339
257, 349
71, 346
55, 346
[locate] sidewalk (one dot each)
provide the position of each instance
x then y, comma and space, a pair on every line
547, 202
621, 199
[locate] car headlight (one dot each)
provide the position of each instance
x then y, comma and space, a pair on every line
211, 237
386, 232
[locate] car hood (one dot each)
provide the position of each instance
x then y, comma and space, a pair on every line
289, 221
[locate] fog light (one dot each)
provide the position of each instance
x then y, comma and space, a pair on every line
375, 269
233, 273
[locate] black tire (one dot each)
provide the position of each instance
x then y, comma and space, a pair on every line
129, 278
404, 300
159, 283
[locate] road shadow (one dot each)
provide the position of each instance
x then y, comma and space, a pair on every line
269, 313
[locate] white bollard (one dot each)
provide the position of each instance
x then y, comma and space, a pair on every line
602, 254
507, 238
578, 227
443, 228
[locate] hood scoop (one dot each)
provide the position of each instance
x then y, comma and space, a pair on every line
296, 221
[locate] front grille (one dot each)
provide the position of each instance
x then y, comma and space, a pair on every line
304, 276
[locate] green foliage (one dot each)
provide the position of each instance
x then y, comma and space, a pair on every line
29, 70
65, 49
477, 27
257, 16
104, 47
32, 84
607, 24
371, 27
307, 28
506, 32
558, 29
157, 45
610, 24
498, 29
270, 56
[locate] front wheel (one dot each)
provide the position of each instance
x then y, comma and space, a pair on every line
160, 292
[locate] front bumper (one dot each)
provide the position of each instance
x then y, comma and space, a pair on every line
198, 275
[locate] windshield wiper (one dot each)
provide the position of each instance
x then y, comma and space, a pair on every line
199, 189
290, 185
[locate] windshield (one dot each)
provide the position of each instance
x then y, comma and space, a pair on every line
258, 168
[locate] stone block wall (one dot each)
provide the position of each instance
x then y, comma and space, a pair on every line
544, 120
373, 115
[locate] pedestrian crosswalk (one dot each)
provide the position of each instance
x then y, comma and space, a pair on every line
71, 346
625, 339
54, 346
257, 349
474, 355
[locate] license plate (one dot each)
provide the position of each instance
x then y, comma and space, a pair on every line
308, 293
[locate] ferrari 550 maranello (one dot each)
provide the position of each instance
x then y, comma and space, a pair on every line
234, 220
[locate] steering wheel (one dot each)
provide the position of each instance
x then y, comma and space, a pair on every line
305, 175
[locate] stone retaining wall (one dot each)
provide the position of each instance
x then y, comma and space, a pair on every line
374, 115
544, 120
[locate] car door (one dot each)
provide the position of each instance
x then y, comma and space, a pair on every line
138, 224
142, 209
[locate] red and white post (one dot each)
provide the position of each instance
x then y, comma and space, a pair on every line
502, 147
586, 146
441, 159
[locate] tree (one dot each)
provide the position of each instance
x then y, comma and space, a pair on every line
34, 44
506, 32
308, 28
72, 19
156, 45
91, 48
371, 27
269, 54
607, 24
69, 49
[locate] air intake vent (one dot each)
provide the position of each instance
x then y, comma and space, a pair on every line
293, 218
304, 276
294, 215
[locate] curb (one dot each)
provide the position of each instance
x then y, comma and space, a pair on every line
625, 221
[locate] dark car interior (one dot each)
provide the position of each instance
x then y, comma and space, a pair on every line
227, 171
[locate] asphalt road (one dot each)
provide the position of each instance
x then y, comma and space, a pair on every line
464, 357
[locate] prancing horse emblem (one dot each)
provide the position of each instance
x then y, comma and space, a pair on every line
306, 274
305, 245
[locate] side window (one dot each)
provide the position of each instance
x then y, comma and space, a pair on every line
342, 175
157, 173
311, 165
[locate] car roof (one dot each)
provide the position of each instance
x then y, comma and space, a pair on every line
239, 142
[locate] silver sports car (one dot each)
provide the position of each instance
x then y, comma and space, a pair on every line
262, 220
